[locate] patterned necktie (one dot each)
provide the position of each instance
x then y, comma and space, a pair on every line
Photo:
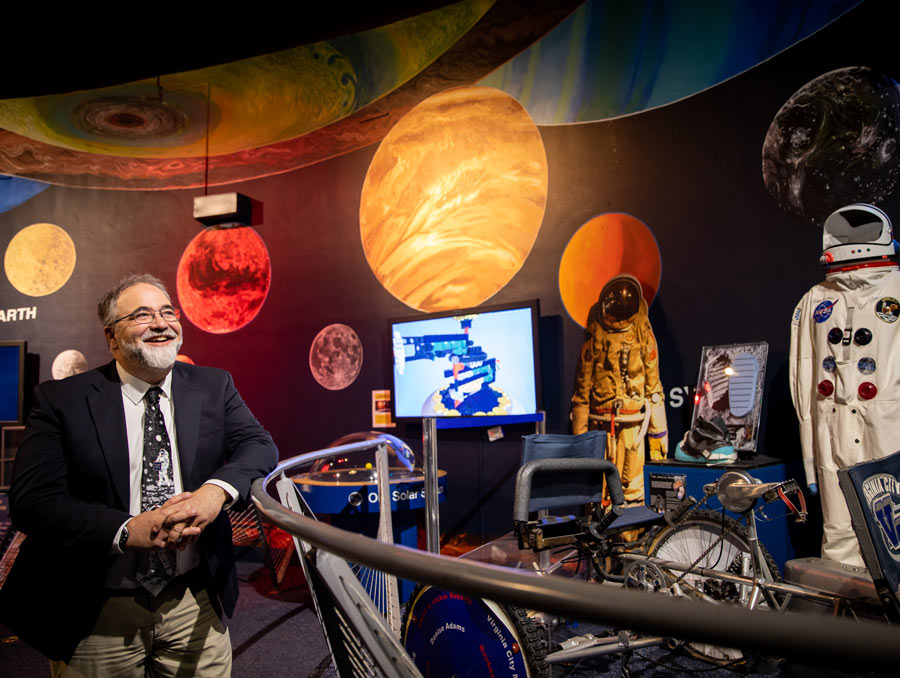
156, 567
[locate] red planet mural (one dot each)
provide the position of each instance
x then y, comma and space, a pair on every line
223, 278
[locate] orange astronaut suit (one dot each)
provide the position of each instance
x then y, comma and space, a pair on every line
617, 388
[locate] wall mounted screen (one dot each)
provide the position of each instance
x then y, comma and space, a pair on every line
479, 362
12, 372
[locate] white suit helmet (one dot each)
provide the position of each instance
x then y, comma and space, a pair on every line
855, 233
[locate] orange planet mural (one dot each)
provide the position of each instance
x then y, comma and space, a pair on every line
223, 278
607, 245
453, 199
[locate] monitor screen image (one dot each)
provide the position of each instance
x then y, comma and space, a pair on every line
466, 363
12, 368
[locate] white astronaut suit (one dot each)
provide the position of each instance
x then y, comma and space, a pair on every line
844, 384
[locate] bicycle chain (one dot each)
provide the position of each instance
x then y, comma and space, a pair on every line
706, 552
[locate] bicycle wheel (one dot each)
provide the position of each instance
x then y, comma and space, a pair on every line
450, 634
696, 541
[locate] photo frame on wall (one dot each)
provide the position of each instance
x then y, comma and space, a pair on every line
730, 386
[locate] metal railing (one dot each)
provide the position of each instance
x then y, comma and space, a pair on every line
862, 644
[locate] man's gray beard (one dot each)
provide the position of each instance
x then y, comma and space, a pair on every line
160, 358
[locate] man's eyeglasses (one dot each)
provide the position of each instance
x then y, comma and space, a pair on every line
144, 316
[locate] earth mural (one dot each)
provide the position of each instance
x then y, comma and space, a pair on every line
335, 357
834, 142
223, 278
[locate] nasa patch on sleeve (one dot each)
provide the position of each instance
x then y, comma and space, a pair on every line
796, 319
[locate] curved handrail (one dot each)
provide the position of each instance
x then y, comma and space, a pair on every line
821, 639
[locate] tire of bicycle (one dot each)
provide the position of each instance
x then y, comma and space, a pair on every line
685, 543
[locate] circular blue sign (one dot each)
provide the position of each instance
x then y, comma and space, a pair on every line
451, 634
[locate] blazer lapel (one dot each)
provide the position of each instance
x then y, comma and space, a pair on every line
108, 413
187, 422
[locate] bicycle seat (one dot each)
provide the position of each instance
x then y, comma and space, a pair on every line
738, 491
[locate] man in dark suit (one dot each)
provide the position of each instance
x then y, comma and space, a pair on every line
119, 485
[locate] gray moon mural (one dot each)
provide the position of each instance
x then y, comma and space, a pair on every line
335, 357
68, 363
834, 142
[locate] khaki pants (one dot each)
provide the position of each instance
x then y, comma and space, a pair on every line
176, 633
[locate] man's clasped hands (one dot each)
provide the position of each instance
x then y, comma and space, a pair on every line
178, 522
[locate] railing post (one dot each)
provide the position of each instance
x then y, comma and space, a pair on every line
429, 452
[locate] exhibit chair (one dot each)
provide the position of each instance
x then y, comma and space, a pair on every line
362, 633
249, 531
562, 472
546, 485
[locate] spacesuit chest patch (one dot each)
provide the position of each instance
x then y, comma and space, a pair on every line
823, 310
887, 309
866, 365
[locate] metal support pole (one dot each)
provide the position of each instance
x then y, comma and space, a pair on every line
429, 452
540, 426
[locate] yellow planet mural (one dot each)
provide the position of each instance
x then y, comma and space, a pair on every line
453, 199
39, 259
605, 246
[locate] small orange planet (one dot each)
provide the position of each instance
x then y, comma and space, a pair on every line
453, 199
607, 245
223, 278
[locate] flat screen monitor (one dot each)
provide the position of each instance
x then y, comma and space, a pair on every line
12, 378
477, 362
